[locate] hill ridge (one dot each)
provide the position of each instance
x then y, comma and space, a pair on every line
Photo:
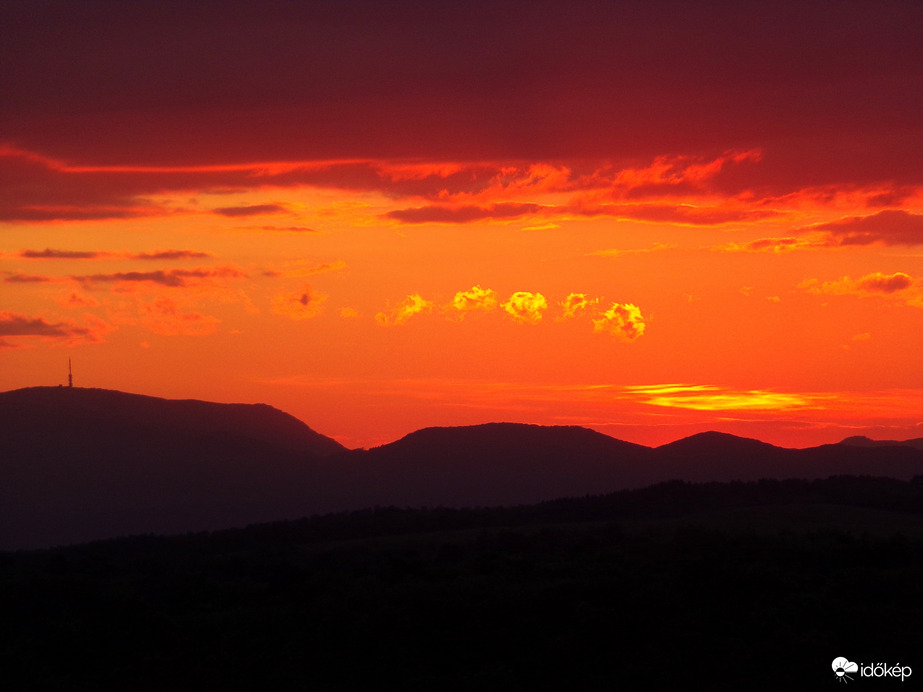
78, 464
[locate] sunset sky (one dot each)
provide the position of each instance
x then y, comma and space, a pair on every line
647, 218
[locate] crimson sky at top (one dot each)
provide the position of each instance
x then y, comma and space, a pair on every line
831, 92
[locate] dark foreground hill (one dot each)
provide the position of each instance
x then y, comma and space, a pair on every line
863, 441
78, 464
755, 586
82, 464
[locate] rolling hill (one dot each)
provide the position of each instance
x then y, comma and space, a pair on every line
83, 464
79, 464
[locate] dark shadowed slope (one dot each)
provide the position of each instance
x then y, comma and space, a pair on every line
51, 411
503, 463
863, 441
714, 456
78, 464
81, 464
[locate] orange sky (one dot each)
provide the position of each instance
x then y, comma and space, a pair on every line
649, 219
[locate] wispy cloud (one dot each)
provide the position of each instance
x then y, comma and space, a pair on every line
464, 214
165, 277
301, 305
167, 317
889, 227
706, 397
19, 325
251, 210
171, 255
613, 253
773, 245
26, 278
166, 255
877, 283
303, 268
49, 253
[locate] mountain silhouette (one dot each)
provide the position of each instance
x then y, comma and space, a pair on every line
502, 463
863, 441
83, 464
78, 464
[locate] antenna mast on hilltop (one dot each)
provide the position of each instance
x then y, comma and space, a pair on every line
70, 374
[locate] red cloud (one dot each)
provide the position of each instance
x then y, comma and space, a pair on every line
26, 279
891, 227
171, 277
634, 82
251, 210
171, 255
48, 253
19, 325
885, 283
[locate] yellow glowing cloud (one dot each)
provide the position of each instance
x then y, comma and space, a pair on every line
657, 247
475, 298
712, 398
526, 307
411, 305
574, 303
622, 320
302, 305
774, 245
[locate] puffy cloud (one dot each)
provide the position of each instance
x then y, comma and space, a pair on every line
884, 283
412, 305
575, 303
622, 320
475, 298
526, 307
302, 305
891, 227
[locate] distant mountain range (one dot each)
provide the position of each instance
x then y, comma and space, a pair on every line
83, 464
